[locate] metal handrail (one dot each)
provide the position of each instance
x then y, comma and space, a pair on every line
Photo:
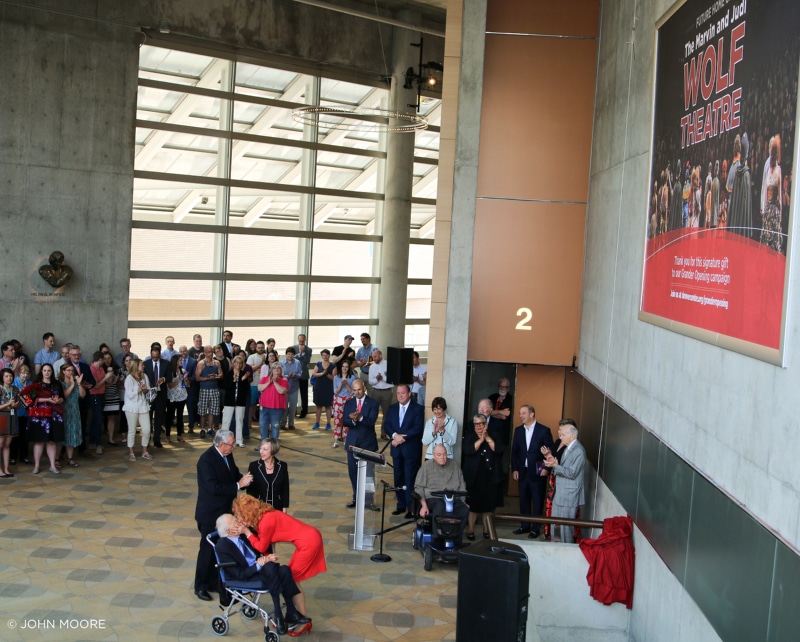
560, 521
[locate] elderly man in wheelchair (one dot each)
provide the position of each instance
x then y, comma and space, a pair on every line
441, 489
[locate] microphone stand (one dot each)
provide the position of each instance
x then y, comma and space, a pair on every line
381, 556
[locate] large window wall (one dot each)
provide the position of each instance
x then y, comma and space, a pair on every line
245, 219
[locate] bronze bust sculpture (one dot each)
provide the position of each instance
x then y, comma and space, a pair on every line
56, 273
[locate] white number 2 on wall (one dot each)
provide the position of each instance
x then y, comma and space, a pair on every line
524, 322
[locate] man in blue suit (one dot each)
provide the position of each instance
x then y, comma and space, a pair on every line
360, 415
527, 466
403, 424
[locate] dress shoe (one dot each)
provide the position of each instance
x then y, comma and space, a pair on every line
409, 515
374, 508
399, 511
533, 535
297, 619
280, 626
203, 595
158, 444
352, 504
521, 531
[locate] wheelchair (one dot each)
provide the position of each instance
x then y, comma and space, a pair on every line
439, 541
244, 596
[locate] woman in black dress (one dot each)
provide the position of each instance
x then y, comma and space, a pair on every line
270, 476
44, 399
483, 472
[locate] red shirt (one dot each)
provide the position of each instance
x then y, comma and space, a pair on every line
270, 397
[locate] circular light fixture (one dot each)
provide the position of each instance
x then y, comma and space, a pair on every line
359, 119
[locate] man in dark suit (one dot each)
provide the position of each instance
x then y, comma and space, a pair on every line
527, 466
157, 371
218, 482
360, 415
403, 423
250, 565
227, 344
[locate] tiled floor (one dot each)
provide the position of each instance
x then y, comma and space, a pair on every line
113, 543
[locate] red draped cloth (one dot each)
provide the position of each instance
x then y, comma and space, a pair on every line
611, 562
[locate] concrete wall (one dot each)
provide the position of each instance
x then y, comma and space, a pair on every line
69, 78
662, 609
731, 417
66, 174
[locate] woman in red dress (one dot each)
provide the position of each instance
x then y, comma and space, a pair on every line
273, 526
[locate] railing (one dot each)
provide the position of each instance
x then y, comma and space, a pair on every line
560, 521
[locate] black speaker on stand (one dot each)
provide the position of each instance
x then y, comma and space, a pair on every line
492, 601
399, 365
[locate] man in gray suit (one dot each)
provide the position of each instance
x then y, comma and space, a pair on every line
569, 473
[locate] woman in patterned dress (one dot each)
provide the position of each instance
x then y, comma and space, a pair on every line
45, 422
73, 392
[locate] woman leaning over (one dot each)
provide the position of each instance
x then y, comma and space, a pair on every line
45, 424
270, 476
73, 393
136, 407
9, 404
483, 472
264, 526
439, 429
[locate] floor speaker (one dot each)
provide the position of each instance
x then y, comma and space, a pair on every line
492, 601
400, 365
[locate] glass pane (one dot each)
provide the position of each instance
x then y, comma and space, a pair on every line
260, 300
340, 301
284, 335
179, 107
348, 172
177, 153
167, 201
420, 261
264, 209
417, 337
153, 299
343, 93
426, 180
265, 163
266, 82
266, 120
172, 250
343, 214
423, 221
341, 258
177, 66
263, 254
418, 302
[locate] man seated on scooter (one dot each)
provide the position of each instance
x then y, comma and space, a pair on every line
438, 474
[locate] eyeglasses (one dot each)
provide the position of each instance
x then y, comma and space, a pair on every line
478, 423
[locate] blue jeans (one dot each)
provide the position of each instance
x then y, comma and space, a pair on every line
270, 419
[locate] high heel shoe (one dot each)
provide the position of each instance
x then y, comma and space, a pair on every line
470, 536
299, 630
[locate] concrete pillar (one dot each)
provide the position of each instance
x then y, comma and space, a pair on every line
397, 204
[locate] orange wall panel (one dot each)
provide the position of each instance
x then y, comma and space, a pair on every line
526, 256
536, 118
572, 18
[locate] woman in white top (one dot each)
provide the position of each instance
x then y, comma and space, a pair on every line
440, 429
136, 407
